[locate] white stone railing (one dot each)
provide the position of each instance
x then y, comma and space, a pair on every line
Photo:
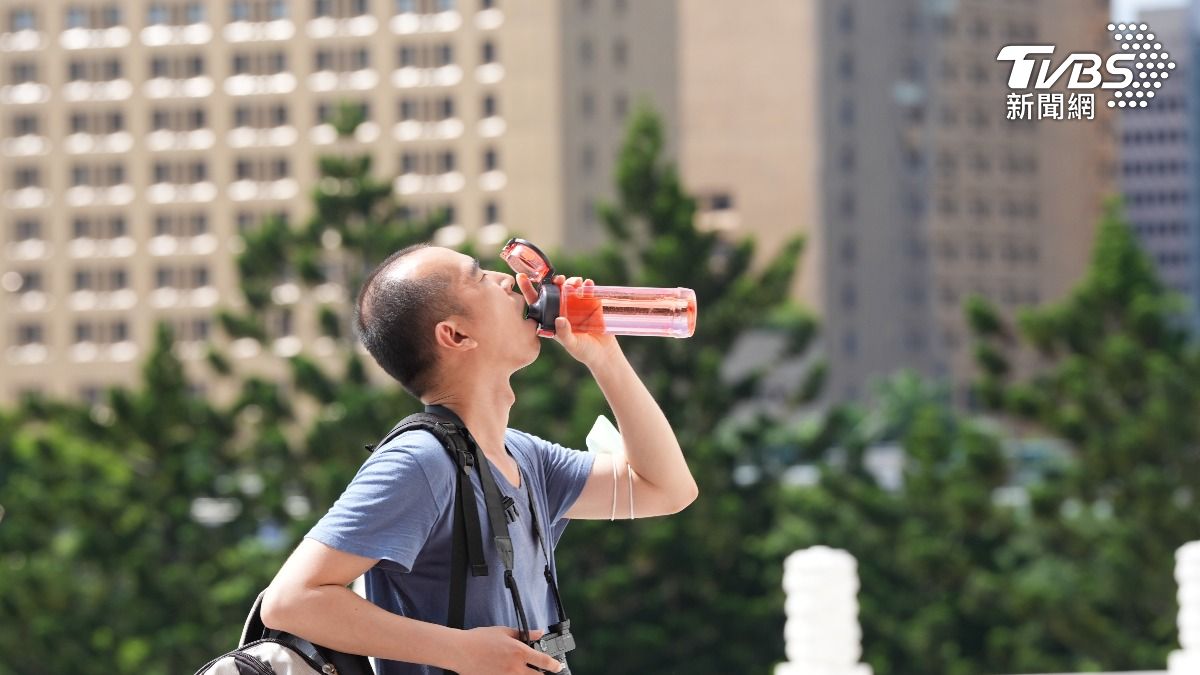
823, 637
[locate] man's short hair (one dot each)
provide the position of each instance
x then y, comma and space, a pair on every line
395, 319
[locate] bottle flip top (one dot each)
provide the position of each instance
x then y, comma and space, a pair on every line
612, 310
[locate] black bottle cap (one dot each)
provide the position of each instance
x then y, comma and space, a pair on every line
546, 308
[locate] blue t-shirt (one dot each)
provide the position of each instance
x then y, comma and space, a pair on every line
399, 507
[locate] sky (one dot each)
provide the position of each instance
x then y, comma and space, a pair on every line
1126, 10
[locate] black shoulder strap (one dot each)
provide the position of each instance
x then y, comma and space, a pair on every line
448, 434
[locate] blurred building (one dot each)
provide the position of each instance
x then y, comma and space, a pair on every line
1159, 153
137, 139
879, 131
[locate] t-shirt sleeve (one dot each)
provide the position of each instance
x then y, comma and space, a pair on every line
565, 471
389, 510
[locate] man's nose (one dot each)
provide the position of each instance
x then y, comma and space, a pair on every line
508, 283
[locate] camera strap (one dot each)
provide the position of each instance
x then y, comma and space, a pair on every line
494, 505
537, 534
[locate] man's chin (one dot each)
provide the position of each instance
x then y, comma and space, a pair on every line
535, 350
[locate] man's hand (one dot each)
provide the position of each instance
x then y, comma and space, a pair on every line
590, 349
496, 650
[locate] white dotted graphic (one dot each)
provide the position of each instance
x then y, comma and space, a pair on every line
1151, 65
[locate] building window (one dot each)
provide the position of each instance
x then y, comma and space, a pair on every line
620, 52
27, 229
491, 213
620, 107
30, 334
25, 125
489, 52
490, 106
26, 282
586, 52
27, 177
84, 333
846, 65
77, 17
339, 9
849, 296
845, 18
848, 206
850, 343
23, 71
847, 159
110, 16
587, 159
22, 19
408, 109
846, 112
158, 15
849, 250
195, 12
491, 160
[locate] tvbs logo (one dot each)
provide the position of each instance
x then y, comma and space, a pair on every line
1134, 71
1084, 69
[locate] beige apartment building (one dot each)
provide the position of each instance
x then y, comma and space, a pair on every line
879, 130
137, 139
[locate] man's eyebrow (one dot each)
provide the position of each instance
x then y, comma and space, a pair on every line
475, 268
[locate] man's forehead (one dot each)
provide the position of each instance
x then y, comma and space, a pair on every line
432, 260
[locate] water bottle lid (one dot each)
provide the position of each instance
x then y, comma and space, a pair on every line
523, 257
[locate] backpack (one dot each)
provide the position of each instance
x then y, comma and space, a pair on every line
263, 651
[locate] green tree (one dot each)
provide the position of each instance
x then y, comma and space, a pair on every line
1094, 572
356, 222
929, 549
103, 566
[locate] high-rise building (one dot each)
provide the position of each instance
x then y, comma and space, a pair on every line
138, 139
880, 132
1158, 162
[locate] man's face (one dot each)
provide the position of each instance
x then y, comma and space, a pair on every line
493, 305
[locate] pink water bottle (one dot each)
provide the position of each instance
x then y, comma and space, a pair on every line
615, 310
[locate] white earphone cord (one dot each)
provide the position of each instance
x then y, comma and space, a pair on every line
629, 472
613, 516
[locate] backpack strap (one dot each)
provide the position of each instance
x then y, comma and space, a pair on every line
466, 507
254, 628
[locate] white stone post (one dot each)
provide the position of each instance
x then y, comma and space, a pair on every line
821, 634
1186, 661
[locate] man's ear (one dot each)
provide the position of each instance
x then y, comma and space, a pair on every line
448, 333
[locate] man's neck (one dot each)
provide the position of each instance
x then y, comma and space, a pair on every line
483, 408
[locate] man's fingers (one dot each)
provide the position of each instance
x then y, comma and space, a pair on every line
542, 660
562, 329
527, 289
